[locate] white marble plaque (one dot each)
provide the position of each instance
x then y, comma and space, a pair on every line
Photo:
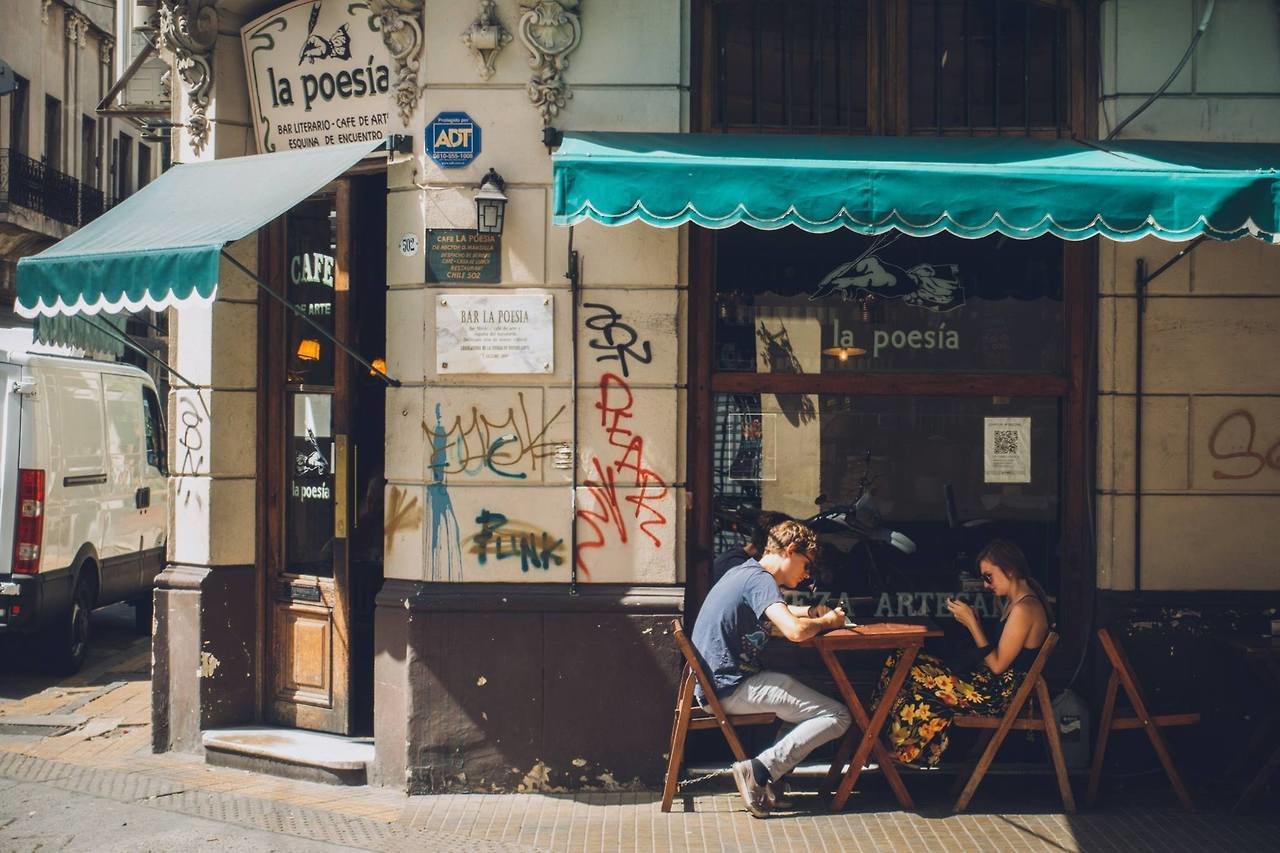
495, 333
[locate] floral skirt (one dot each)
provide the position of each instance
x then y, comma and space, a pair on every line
930, 698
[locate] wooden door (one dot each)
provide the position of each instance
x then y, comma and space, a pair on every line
309, 397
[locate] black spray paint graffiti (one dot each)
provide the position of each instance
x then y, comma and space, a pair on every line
505, 539
618, 339
192, 439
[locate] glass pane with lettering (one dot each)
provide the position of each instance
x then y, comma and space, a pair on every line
788, 301
312, 246
310, 503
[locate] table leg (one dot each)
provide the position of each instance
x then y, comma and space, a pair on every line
1269, 767
870, 741
1272, 764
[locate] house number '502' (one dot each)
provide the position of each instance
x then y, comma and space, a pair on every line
1270, 459
409, 245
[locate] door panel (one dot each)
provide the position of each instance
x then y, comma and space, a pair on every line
308, 592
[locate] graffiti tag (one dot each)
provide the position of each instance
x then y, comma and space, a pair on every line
505, 539
604, 515
476, 442
1230, 446
617, 338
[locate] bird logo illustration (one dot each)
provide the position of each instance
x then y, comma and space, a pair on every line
316, 46
933, 287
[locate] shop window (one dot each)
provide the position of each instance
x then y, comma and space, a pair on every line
925, 374
312, 237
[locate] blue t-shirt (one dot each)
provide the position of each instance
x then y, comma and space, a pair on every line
731, 629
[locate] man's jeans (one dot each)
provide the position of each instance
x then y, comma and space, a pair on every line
817, 718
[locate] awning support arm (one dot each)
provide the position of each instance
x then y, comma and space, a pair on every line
126, 339
1142, 279
394, 383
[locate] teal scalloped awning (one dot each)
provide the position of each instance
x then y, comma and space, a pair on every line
1019, 187
160, 246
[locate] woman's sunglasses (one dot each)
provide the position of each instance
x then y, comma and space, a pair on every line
986, 578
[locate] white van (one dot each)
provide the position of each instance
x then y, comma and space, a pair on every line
83, 497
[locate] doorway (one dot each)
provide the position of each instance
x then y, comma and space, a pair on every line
324, 423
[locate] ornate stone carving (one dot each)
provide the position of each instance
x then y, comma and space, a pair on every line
75, 26
400, 22
486, 38
106, 49
550, 29
44, 10
189, 29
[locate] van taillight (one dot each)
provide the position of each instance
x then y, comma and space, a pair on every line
29, 530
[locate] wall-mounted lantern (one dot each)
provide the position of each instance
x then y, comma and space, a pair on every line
491, 204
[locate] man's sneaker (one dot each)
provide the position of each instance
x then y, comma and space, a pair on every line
753, 793
776, 796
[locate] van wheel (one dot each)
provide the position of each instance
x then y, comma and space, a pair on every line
68, 638
142, 610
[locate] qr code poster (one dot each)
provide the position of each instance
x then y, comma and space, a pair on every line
1006, 450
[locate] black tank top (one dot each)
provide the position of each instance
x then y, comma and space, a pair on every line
1026, 656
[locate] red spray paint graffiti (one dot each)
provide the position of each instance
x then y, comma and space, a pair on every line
601, 513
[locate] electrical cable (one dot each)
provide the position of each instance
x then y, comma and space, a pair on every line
1195, 40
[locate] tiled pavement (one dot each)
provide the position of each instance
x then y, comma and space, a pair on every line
107, 755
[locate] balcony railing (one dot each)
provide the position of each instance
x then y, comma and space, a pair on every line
31, 184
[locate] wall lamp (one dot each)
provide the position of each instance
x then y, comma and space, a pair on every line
491, 204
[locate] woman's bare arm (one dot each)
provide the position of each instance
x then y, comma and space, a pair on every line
1017, 628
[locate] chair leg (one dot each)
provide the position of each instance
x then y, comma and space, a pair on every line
1161, 747
971, 760
980, 769
1055, 747
679, 731
1104, 732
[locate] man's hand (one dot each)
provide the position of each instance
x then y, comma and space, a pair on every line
798, 628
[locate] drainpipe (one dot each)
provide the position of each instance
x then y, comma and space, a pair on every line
573, 275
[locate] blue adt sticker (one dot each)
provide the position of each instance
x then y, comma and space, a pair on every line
453, 140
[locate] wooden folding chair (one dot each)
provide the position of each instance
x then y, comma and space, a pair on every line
1023, 716
689, 716
1122, 676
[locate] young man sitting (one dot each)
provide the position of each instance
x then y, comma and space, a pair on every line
733, 627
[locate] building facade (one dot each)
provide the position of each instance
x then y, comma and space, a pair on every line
62, 164
478, 565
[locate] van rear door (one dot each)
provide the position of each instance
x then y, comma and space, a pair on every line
10, 432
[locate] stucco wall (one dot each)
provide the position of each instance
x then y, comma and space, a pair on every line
437, 502
1211, 403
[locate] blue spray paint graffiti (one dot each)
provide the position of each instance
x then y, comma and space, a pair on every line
445, 552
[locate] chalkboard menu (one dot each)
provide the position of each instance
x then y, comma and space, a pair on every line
459, 255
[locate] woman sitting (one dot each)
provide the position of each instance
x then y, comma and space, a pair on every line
934, 692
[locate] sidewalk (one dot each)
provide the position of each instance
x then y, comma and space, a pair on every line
89, 736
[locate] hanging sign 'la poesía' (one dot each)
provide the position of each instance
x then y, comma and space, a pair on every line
319, 74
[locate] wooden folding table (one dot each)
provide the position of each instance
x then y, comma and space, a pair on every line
875, 635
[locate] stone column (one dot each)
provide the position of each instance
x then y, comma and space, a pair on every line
206, 649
